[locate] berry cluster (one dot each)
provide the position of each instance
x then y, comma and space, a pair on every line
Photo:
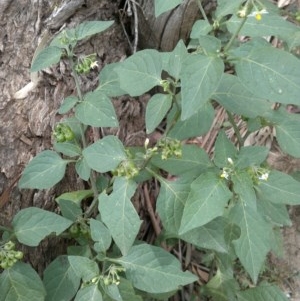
8, 255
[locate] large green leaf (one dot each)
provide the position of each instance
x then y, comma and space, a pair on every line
154, 270
265, 292
119, 214
270, 73
233, 96
280, 188
21, 283
196, 125
31, 225
140, 72
100, 235
105, 154
162, 6
45, 58
288, 136
170, 203
200, 76
208, 197
89, 28
243, 187
269, 25
83, 169
60, 280
193, 159
224, 149
254, 242
67, 148
200, 28
209, 236
67, 104
109, 81
96, 110
43, 171
84, 267
157, 108
251, 155
277, 213
89, 293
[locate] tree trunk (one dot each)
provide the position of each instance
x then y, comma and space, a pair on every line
26, 124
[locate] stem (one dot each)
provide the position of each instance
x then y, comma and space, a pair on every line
233, 37
202, 11
235, 128
84, 142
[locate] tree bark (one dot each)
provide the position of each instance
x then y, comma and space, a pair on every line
26, 124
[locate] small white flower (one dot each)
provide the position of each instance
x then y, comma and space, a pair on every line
94, 65
225, 174
230, 161
257, 14
264, 177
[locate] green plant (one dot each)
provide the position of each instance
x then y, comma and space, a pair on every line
230, 207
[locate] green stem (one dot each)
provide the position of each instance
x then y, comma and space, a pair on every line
202, 11
235, 128
84, 142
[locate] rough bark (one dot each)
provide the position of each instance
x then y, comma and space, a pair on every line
26, 124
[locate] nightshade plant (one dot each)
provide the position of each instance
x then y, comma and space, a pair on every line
230, 206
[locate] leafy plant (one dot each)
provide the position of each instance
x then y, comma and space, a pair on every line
228, 207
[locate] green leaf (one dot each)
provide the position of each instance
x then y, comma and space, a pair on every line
277, 213
89, 293
119, 214
209, 236
43, 171
140, 72
200, 28
21, 283
222, 287
105, 154
225, 8
288, 136
243, 187
83, 169
193, 159
31, 225
270, 72
89, 28
170, 203
269, 25
280, 188
101, 235
266, 292
206, 201
157, 107
75, 196
68, 149
254, 242
45, 58
85, 268
210, 45
162, 6
200, 78
67, 104
154, 270
251, 155
127, 291
224, 149
96, 110
172, 61
234, 97
109, 81
196, 125
60, 280
113, 292
70, 210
